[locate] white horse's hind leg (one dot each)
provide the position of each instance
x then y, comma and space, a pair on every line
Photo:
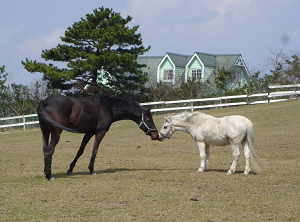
207, 157
202, 153
235, 155
247, 156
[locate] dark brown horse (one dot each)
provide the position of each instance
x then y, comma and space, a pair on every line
93, 116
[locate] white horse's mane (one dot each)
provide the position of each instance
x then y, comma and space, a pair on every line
185, 116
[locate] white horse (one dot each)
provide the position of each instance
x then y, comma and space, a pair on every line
207, 130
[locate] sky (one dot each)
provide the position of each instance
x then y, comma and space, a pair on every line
253, 28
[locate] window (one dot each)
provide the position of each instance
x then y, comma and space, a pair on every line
168, 74
196, 73
236, 77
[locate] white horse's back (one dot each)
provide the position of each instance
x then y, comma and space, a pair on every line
218, 131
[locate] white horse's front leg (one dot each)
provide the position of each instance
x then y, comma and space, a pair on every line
235, 155
202, 153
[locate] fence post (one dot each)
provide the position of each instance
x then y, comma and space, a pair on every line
192, 107
247, 99
220, 102
268, 94
24, 127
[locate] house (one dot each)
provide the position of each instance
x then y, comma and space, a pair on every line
174, 69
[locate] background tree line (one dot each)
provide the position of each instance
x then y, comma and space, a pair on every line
17, 99
99, 54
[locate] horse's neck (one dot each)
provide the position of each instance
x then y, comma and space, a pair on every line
181, 126
123, 114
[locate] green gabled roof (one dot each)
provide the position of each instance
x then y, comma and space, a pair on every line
179, 60
150, 61
222, 60
207, 59
226, 61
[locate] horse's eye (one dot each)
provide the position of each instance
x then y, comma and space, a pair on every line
165, 127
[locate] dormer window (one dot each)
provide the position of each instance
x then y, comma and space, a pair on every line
168, 75
196, 73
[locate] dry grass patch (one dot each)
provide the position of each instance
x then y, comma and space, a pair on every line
142, 180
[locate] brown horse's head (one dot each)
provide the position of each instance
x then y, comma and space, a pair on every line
147, 125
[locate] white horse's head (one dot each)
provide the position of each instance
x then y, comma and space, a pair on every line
167, 129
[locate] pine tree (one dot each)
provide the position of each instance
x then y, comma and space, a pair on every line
101, 41
223, 79
3, 78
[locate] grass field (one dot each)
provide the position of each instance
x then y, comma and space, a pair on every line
142, 180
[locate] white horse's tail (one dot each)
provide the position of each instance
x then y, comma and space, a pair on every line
255, 160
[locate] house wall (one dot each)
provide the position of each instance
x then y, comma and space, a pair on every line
244, 80
178, 73
207, 72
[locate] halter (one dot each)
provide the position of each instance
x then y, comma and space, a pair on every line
172, 128
148, 128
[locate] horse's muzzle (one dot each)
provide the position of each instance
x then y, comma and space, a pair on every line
154, 135
161, 137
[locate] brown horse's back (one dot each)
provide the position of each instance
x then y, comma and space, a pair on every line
82, 115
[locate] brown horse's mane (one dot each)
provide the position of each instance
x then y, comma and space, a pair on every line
119, 102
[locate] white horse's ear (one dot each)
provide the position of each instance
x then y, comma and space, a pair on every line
166, 120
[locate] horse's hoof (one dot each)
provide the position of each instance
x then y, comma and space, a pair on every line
93, 173
51, 178
69, 172
246, 172
200, 170
229, 172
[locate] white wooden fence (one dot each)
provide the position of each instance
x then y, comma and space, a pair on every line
22, 122
218, 102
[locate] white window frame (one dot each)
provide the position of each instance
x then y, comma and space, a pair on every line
168, 75
198, 74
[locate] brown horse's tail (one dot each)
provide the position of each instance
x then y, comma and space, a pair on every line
43, 115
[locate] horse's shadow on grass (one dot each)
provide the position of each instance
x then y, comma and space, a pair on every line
64, 175
106, 171
225, 171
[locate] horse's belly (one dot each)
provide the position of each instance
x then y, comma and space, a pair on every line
217, 141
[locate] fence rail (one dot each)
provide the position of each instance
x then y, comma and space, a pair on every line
218, 102
22, 123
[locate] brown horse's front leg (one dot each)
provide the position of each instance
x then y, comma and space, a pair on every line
85, 140
98, 137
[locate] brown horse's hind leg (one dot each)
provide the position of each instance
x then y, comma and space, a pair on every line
98, 137
48, 152
85, 140
46, 135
